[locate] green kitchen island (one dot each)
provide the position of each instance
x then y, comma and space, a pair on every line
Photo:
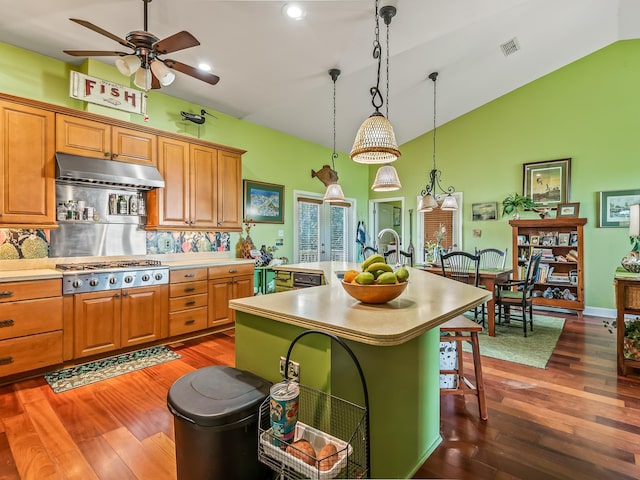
397, 345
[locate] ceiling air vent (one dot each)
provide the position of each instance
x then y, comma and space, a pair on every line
510, 47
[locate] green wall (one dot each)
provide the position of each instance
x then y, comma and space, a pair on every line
587, 110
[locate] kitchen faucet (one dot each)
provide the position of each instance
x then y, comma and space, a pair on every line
397, 239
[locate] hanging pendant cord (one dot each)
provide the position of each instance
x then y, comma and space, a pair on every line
387, 106
433, 77
334, 156
376, 96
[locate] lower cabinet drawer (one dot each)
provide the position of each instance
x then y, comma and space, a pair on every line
187, 321
30, 317
192, 301
29, 353
187, 288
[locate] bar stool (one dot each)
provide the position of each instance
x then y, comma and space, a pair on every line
465, 330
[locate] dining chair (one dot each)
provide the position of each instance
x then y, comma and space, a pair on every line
492, 257
462, 267
368, 251
522, 296
392, 258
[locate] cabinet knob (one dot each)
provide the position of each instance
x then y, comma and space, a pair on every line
233, 270
7, 323
6, 293
115, 155
6, 360
107, 154
191, 321
117, 295
189, 303
189, 289
125, 294
189, 275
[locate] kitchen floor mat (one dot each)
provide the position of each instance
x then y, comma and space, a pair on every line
73, 377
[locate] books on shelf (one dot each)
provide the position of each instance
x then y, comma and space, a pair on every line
547, 254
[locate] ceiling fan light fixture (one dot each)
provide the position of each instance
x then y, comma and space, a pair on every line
386, 180
128, 64
205, 67
293, 11
142, 79
163, 73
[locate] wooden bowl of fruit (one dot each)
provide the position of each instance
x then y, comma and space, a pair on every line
376, 283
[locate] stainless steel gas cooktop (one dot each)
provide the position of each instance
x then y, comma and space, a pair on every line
111, 275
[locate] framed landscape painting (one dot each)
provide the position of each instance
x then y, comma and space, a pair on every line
614, 207
484, 211
547, 183
263, 202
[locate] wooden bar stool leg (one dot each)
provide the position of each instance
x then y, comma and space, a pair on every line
460, 376
477, 367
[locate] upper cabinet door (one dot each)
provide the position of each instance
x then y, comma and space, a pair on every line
27, 166
204, 161
134, 147
78, 136
169, 206
88, 138
229, 191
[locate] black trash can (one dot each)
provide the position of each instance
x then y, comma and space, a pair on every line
216, 424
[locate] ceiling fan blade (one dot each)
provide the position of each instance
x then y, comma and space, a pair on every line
94, 53
177, 41
193, 72
101, 31
155, 83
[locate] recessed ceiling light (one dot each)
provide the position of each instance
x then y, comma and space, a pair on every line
204, 66
293, 11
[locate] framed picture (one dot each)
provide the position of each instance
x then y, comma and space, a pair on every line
484, 211
567, 210
614, 207
522, 240
547, 183
263, 202
396, 216
563, 239
534, 240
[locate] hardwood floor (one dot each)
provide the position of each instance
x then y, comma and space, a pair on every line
575, 420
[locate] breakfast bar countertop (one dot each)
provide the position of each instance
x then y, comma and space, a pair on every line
428, 301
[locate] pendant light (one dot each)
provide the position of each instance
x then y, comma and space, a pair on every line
387, 177
428, 201
334, 190
375, 141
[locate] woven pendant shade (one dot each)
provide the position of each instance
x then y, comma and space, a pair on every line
386, 180
334, 193
375, 141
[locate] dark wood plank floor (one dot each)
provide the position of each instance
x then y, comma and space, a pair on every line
575, 420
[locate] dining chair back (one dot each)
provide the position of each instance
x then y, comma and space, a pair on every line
522, 296
492, 257
392, 258
461, 266
368, 251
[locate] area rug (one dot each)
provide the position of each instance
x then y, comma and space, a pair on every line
68, 378
511, 345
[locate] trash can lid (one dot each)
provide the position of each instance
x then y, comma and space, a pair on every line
217, 395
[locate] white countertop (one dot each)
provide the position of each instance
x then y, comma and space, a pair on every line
428, 301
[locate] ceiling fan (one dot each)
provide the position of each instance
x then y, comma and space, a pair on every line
151, 72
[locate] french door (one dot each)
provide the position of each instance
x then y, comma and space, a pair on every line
323, 231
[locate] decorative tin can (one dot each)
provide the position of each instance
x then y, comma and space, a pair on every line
283, 410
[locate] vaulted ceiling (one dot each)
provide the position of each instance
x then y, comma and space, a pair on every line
274, 70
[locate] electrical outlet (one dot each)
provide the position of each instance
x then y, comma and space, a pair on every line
294, 369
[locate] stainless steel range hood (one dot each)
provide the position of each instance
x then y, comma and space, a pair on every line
97, 172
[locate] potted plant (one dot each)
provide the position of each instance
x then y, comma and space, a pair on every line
514, 203
631, 336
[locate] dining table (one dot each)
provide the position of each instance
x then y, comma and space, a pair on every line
489, 278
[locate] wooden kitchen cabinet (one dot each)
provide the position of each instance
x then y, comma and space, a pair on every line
27, 168
202, 188
89, 138
227, 282
30, 325
113, 319
188, 300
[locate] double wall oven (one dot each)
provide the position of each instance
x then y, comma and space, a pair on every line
116, 304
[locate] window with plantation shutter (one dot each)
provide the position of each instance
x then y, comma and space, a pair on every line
433, 221
430, 222
324, 231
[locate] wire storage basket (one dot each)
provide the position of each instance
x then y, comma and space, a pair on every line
322, 419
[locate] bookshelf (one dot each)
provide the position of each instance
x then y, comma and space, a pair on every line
560, 282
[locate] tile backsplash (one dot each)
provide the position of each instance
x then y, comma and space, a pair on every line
18, 244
